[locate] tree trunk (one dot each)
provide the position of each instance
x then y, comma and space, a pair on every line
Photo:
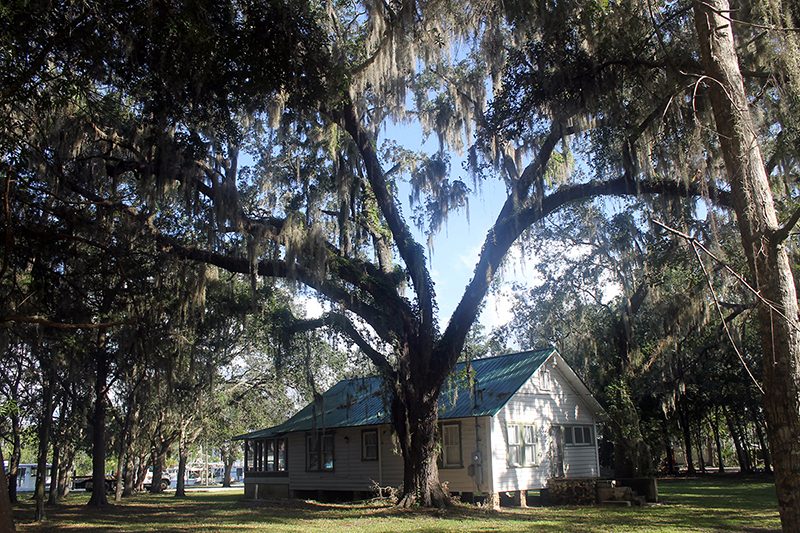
763, 241
58, 434
129, 475
718, 442
228, 458
159, 458
687, 436
65, 470
668, 448
99, 498
741, 452
700, 458
55, 470
16, 453
765, 455
124, 445
414, 416
183, 457
6, 517
44, 441
141, 473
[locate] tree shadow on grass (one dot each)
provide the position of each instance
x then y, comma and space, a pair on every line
694, 506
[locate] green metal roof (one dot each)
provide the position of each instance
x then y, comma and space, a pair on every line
362, 402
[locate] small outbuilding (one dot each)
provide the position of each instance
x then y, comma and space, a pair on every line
506, 424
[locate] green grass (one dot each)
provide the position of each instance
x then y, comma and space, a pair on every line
706, 504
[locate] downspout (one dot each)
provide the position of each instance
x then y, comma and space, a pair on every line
596, 448
380, 456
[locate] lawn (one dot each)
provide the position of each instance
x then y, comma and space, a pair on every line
705, 504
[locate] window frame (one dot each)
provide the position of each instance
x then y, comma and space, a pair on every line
570, 434
257, 453
521, 444
440, 460
377, 445
545, 379
320, 438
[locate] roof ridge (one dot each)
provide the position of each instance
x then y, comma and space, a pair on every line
535, 350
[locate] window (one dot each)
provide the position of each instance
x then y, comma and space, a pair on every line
578, 436
521, 445
268, 455
449, 439
451, 445
544, 379
319, 452
369, 445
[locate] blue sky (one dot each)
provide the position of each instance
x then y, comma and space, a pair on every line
457, 246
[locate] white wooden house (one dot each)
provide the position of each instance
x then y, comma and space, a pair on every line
507, 423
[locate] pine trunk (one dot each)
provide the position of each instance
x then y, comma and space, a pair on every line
13, 461
687, 437
55, 471
65, 470
6, 517
762, 443
741, 453
44, 441
763, 241
718, 442
99, 498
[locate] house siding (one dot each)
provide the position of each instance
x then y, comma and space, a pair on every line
557, 404
474, 438
350, 473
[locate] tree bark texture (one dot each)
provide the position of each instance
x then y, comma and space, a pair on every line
414, 418
45, 425
228, 458
159, 458
763, 241
6, 518
65, 470
52, 497
99, 498
183, 458
742, 457
13, 461
687, 436
141, 472
718, 442
123, 449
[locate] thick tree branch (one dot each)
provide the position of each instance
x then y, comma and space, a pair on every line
505, 231
44, 321
344, 325
384, 324
782, 233
411, 251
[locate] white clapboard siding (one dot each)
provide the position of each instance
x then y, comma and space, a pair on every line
543, 405
474, 437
